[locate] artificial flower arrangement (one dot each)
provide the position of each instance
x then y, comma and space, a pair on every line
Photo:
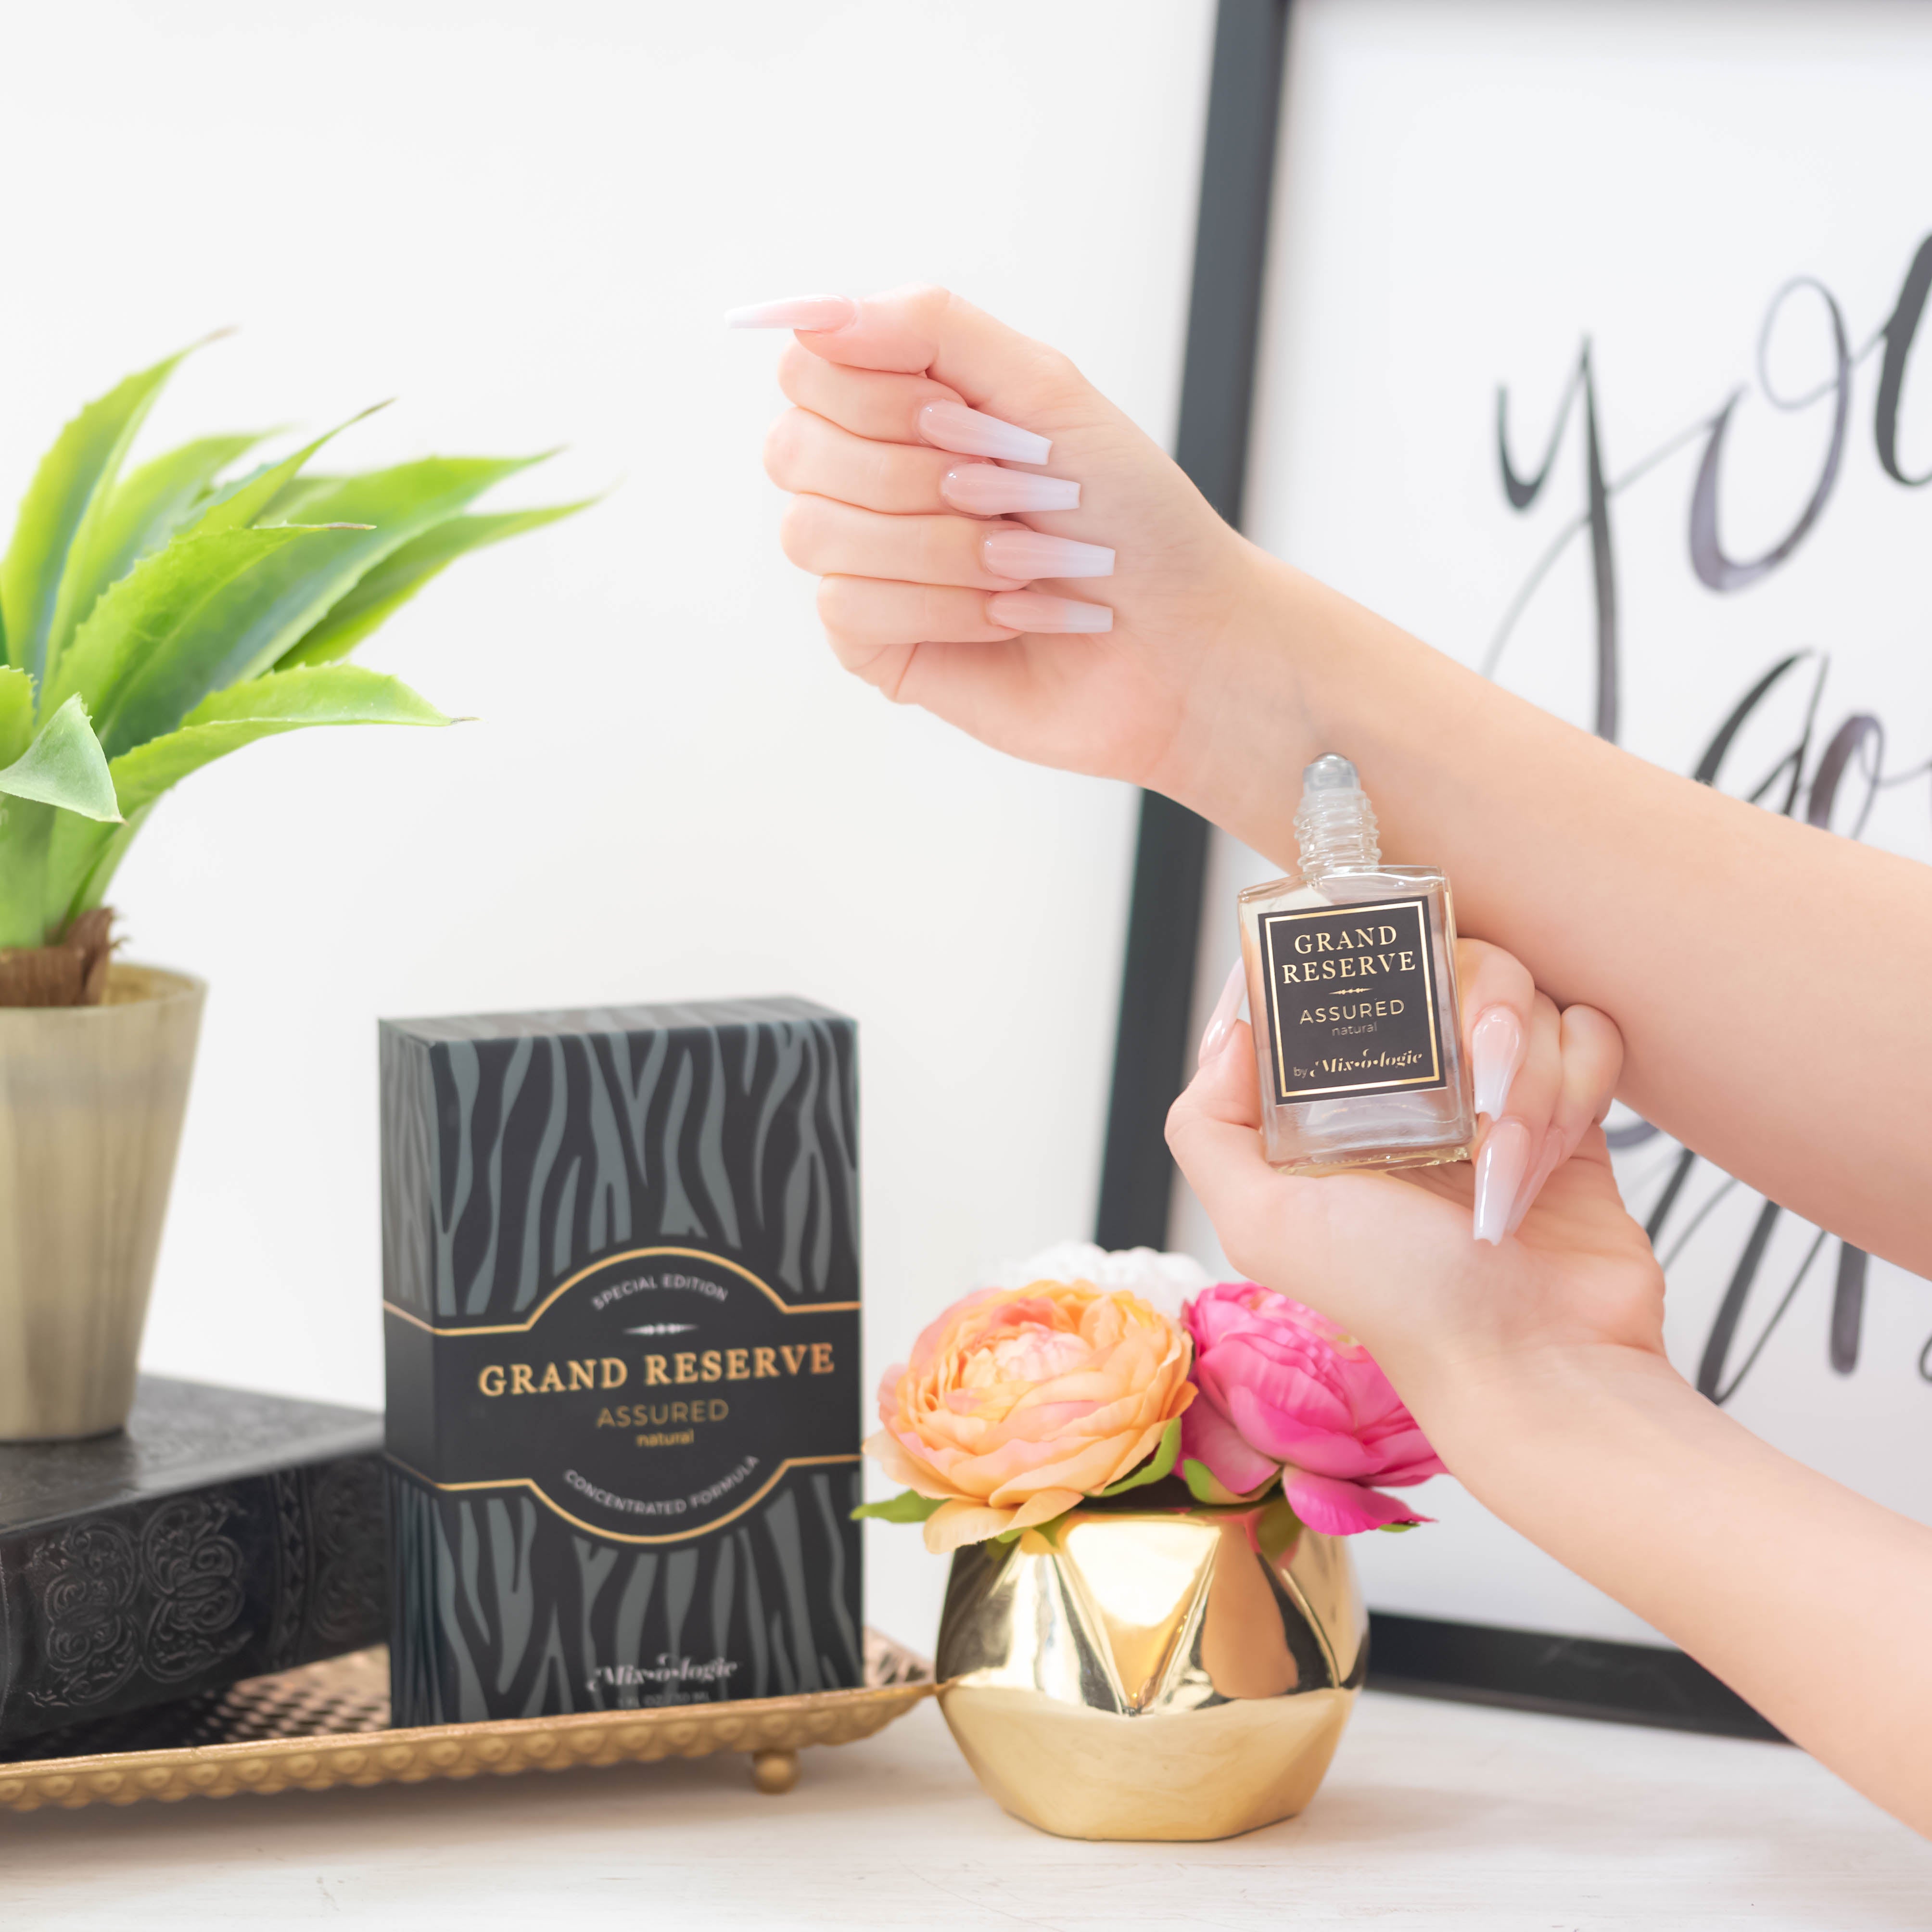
1072, 1382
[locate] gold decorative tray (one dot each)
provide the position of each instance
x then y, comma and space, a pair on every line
328, 1724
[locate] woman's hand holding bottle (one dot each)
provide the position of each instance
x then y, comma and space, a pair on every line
1556, 1265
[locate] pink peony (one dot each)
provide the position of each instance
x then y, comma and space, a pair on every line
1284, 1391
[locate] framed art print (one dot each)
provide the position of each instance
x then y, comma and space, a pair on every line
1588, 343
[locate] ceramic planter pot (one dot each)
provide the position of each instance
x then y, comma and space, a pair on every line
1154, 1673
91, 1105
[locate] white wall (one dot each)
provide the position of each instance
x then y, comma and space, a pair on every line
524, 222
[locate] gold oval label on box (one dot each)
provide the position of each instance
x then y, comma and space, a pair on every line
655, 1395
1351, 1004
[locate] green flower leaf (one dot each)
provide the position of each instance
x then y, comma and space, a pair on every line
1277, 1529
64, 767
908, 1506
289, 701
1160, 1464
1203, 1488
1050, 1531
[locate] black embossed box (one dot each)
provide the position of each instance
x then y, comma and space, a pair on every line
223, 1534
620, 1262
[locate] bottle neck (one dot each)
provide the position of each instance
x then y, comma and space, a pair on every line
1337, 831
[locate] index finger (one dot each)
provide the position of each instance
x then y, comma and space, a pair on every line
928, 331
1498, 1001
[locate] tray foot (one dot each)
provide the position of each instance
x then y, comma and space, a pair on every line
775, 1771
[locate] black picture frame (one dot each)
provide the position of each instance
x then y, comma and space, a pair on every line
1639, 1684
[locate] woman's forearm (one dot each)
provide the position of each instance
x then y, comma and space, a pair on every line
1809, 1600
1770, 979
1767, 977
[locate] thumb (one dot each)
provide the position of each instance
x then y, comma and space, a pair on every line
1329, 1242
1213, 1133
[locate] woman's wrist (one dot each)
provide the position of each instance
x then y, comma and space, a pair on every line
1296, 670
1507, 1425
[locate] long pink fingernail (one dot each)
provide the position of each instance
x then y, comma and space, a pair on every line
1024, 555
818, 313
1500, 1168
1495, 1052
1221, 1021
1547, 1162
985, 490
968, 433
1033, 610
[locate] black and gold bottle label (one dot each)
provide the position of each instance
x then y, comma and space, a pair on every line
655, 1395
1352, 1004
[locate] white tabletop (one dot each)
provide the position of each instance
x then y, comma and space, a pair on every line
1436, 1815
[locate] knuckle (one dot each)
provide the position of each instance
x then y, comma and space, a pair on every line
926, 301
795, 366
835, 604
783, 446
881, 472
795, 532
937, 552
1055, 369
957, 612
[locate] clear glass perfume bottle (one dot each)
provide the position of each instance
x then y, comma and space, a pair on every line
1351, 990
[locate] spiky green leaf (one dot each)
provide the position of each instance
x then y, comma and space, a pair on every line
42, 576
17, 714
1160, 1464
26, 834
155, 646
64, 767
236, 508
908, 1506
400, 575
146, 509
293, 700
290, 507
190, 600
82, 859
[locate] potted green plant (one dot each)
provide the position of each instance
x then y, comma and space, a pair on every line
155, 621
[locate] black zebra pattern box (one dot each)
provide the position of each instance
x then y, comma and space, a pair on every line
620, 1263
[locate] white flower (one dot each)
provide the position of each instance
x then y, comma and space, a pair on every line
1163, 1281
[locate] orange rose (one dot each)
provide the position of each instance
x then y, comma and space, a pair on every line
1016, 1405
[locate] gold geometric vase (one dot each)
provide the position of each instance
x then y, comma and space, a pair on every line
1151, 1673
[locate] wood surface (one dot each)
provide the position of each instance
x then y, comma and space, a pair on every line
1438, 1817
